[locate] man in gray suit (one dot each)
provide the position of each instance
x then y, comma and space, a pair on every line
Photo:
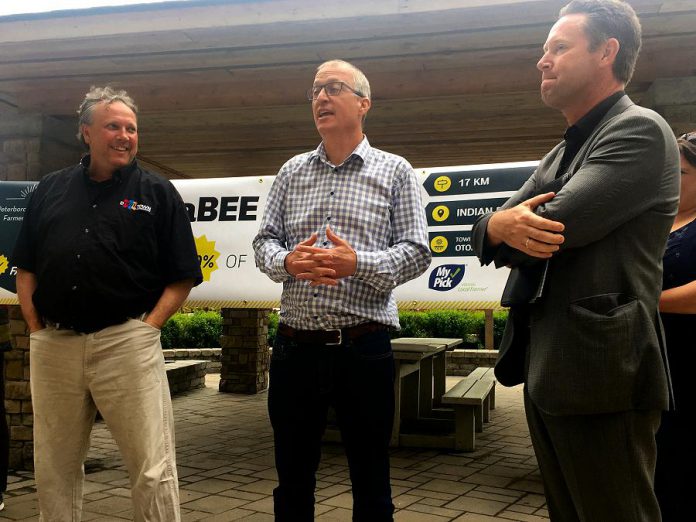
585, 237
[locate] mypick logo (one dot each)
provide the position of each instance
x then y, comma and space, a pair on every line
131, 204
446, 277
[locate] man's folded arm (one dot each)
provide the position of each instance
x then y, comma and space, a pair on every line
622, 177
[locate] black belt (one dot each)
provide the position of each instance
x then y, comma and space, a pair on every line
330, 337
67, 326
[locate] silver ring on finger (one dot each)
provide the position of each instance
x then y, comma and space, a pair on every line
526, 243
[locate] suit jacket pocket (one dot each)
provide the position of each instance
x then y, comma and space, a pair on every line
603, 351
607, 322
602, 305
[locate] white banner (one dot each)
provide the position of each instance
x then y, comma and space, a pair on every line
225, 215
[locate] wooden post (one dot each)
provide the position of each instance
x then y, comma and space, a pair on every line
489, 330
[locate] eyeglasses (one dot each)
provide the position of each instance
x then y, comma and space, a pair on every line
689, 136
331, 89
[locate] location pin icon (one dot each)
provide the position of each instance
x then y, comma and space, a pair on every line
440, 212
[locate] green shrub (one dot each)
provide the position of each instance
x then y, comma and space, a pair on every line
413, 324
499, 322
198, 329
172, 332
272, 326
459, 324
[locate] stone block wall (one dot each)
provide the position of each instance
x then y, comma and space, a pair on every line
463, 362
245, 354
186, 375
18, 395
210, 355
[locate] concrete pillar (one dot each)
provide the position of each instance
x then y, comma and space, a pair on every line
245, 354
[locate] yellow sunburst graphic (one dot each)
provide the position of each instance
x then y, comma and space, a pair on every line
4, 263
207, 256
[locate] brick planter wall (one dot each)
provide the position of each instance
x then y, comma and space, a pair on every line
186, 375
245, 354
211, 355
462, 362
20, 418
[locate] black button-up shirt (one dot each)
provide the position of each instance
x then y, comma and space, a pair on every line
103, 252
576, 135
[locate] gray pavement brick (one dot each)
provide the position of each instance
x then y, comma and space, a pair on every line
427, 509
416, 516
521, 517
336, 515
478, 493
477, 505
343, 500
215, 504
403, 501
475, 517
264, 505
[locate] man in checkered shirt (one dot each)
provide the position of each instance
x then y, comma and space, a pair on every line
343, 225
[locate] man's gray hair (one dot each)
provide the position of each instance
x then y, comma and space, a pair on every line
94, 97
611, 19
360, 82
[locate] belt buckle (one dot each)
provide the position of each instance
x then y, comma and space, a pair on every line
340, 337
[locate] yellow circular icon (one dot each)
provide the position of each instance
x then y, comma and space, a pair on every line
440, 213
443, 183
438, 244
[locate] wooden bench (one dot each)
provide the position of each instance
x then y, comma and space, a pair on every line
472, 398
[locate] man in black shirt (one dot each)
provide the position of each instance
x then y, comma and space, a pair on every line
105, 256
585, 237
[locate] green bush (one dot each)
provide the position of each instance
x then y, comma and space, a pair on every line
458, 324
413, 324
272, 327
499, 322
199, 329
172, 332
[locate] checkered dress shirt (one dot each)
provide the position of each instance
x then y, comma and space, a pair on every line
372, 200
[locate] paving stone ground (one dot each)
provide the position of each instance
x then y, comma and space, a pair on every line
225, 461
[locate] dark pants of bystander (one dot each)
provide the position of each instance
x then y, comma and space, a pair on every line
357, 379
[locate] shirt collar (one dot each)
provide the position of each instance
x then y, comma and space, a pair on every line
587, 124
117, 176
362, 151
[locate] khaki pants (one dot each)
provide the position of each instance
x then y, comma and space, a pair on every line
120, 371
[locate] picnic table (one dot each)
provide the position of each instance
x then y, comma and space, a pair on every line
421, 367
420, 417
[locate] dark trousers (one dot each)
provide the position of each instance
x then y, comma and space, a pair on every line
596, 468
675, 482
357, 379
4, 432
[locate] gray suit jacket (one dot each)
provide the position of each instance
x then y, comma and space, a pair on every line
594, 337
